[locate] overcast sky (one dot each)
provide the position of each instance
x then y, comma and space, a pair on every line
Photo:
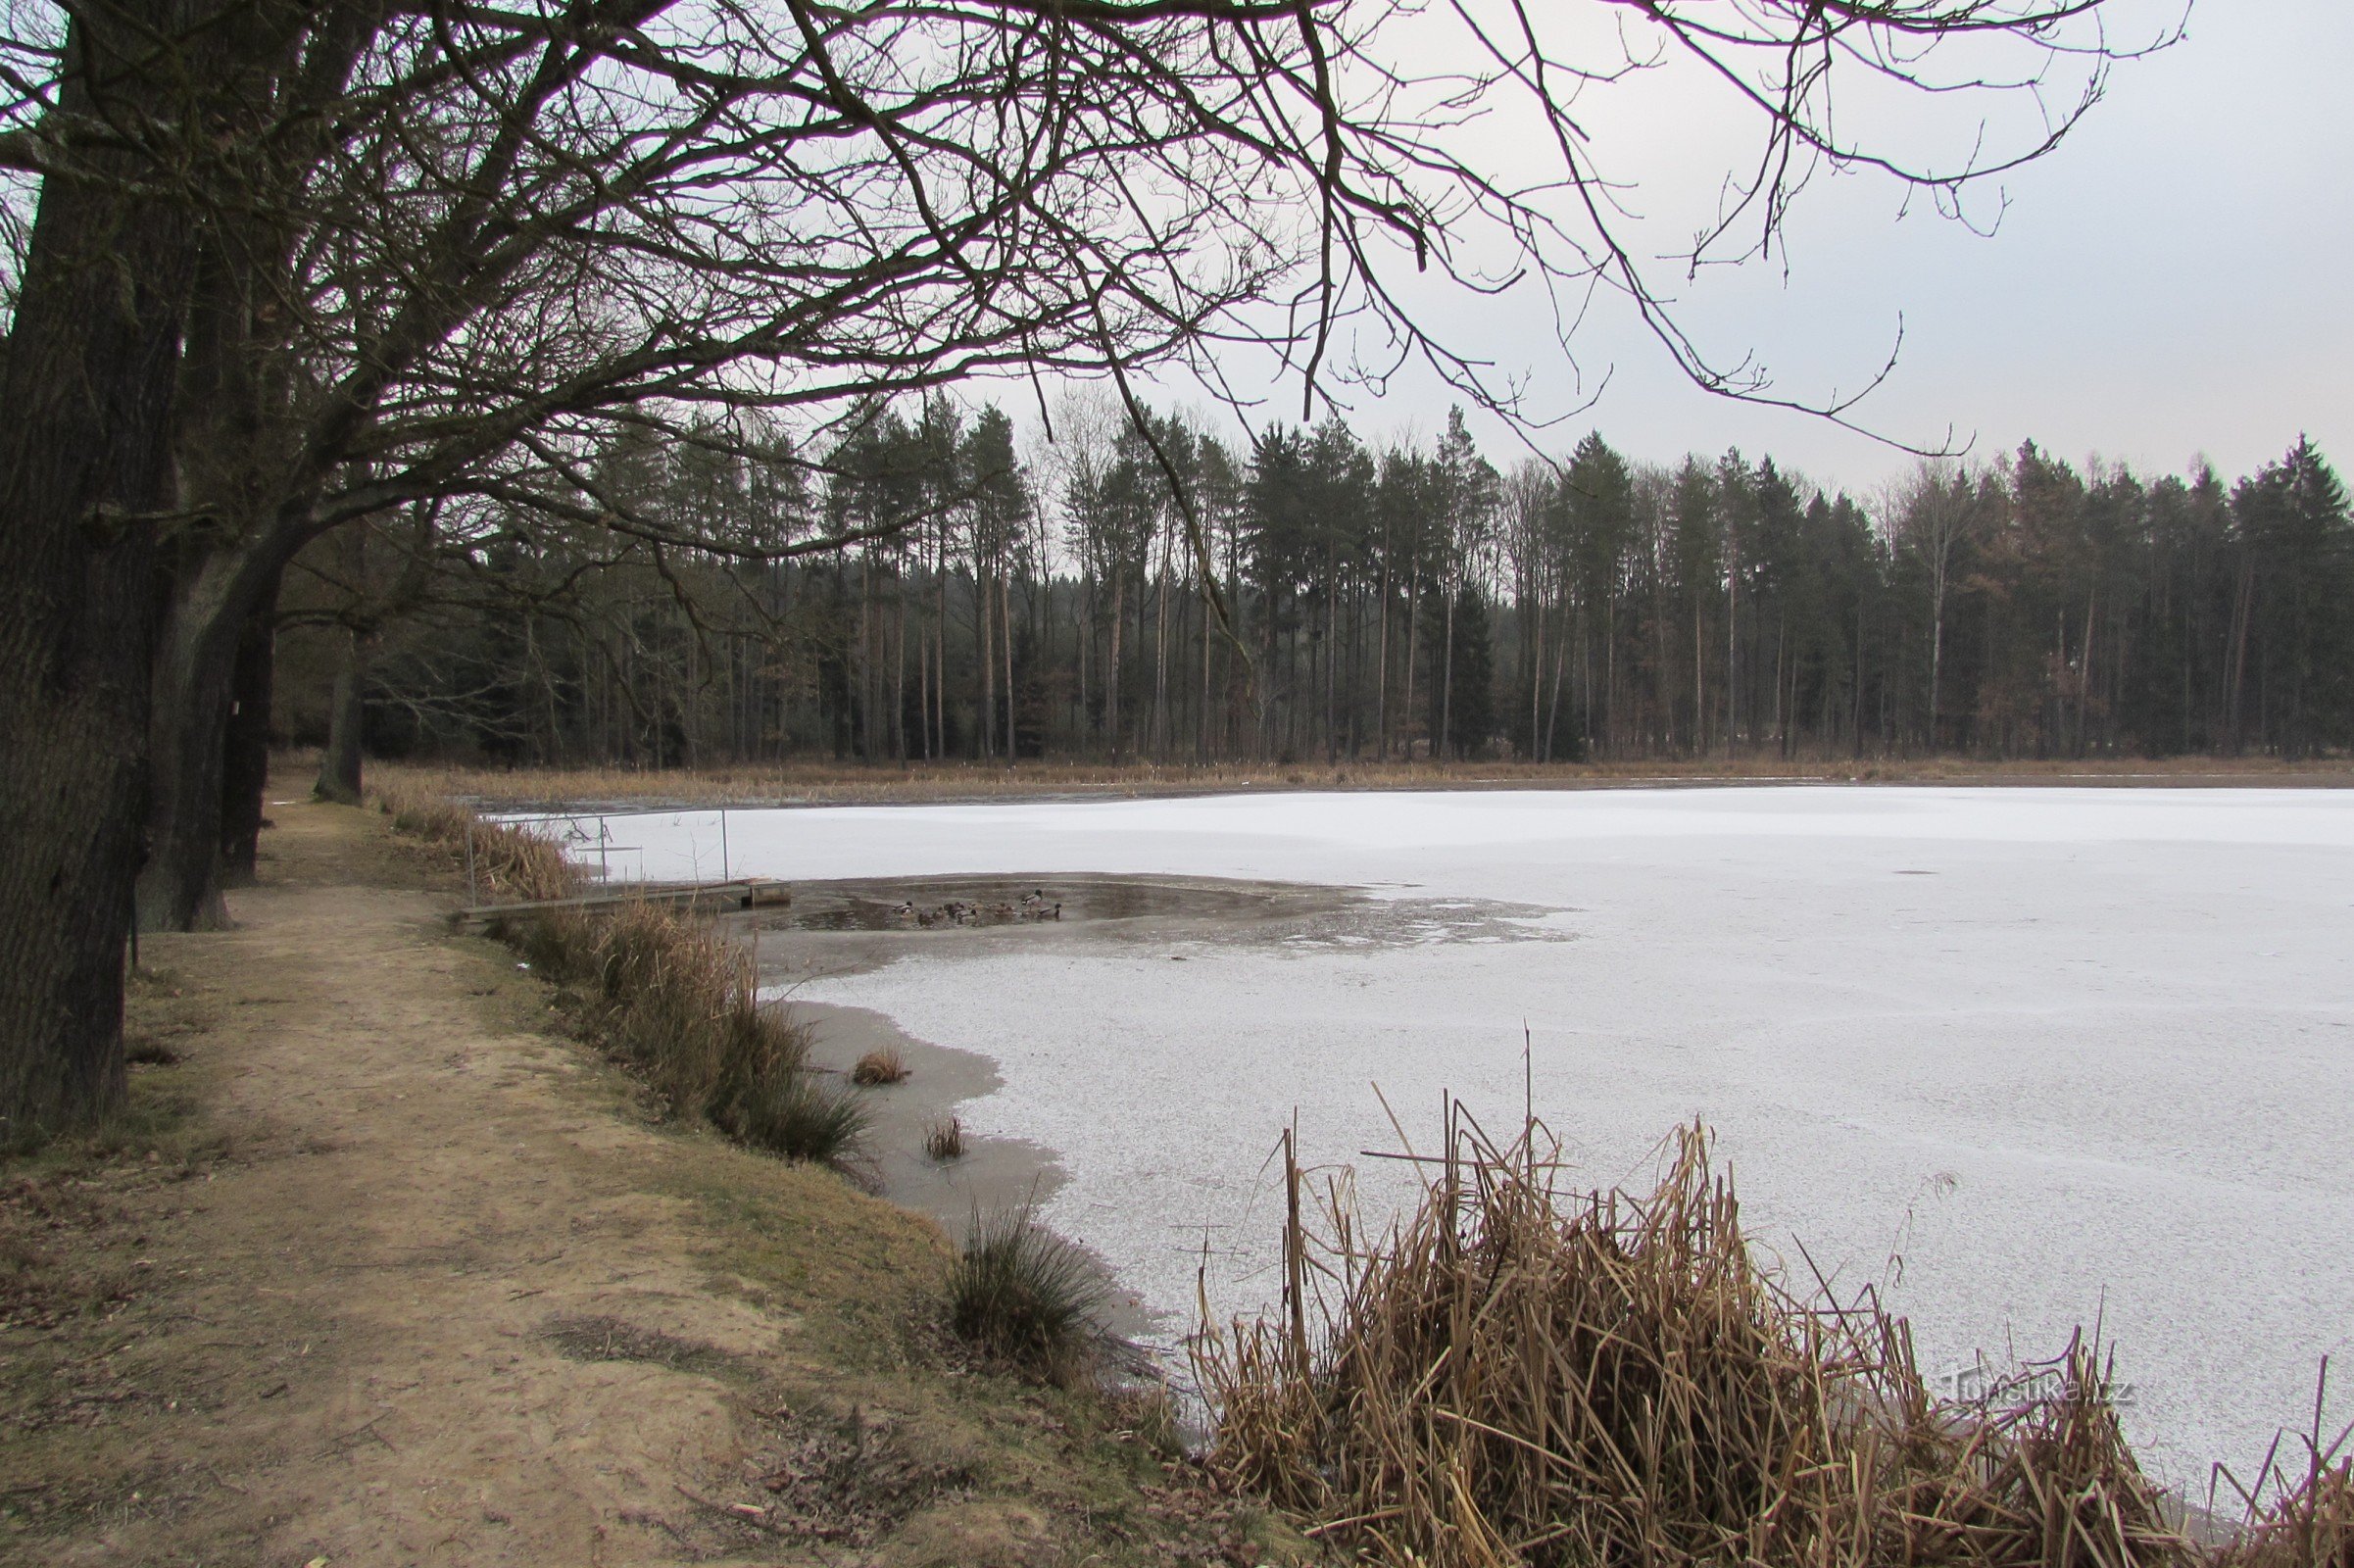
2172, 282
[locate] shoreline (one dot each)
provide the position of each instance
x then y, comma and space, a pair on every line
995, 1174
616, 791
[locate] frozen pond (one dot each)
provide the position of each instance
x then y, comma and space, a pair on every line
2071, 1054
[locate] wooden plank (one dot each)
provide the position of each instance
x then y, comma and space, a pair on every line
742, 894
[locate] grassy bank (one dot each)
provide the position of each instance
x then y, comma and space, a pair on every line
835, 783
662, 993
673, 1002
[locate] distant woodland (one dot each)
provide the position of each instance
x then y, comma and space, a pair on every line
1335, 599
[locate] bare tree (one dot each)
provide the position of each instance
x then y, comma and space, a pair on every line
376, 253
1934, 512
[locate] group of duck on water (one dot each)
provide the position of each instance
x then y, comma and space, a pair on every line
1032, 905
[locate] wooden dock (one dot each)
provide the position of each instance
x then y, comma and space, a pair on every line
745, 893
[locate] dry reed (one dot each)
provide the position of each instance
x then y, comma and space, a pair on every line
506, 862
882, 1066
943, 1139
1519, 1375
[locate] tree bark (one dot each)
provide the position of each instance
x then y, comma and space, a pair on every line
340, 765
245, 751
194, 681
85, 418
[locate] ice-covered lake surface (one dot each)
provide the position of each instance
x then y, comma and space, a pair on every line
2074, 1055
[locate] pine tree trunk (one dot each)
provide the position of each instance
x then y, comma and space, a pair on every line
85, 405
1446, 676
1005, 651
985, 655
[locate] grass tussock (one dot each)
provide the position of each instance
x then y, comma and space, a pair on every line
943, 1139
1021, 1296
668, 995
882, 1066
1520, 1375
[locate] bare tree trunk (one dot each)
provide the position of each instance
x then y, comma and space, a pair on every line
193, 684
1699, 683
2083, 680
1532, 659
179, 887
1332, 660
245, 749
1552, 710
1160, 656
898, 657
339, 765
86, 414
1936, 633
1111, 676
1202, 716
940, 646
1005, 651
1732, 656
985, 654
1085, 602
1381, 659
1414, 622
1447, 675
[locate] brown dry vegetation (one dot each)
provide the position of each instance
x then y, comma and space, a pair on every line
1518, 1375
826, 782
883, 1065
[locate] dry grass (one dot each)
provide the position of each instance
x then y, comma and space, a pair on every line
669, 996
828, 782
882, 1066
2299, 1515
1518, 1375
943, 1139
505, 863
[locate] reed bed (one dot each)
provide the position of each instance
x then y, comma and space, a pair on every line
505, 863
668, 996
1517, 1374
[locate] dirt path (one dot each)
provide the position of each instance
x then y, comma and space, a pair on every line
424, 1196
385, 1270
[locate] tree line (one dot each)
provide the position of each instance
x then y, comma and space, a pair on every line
1341, 601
